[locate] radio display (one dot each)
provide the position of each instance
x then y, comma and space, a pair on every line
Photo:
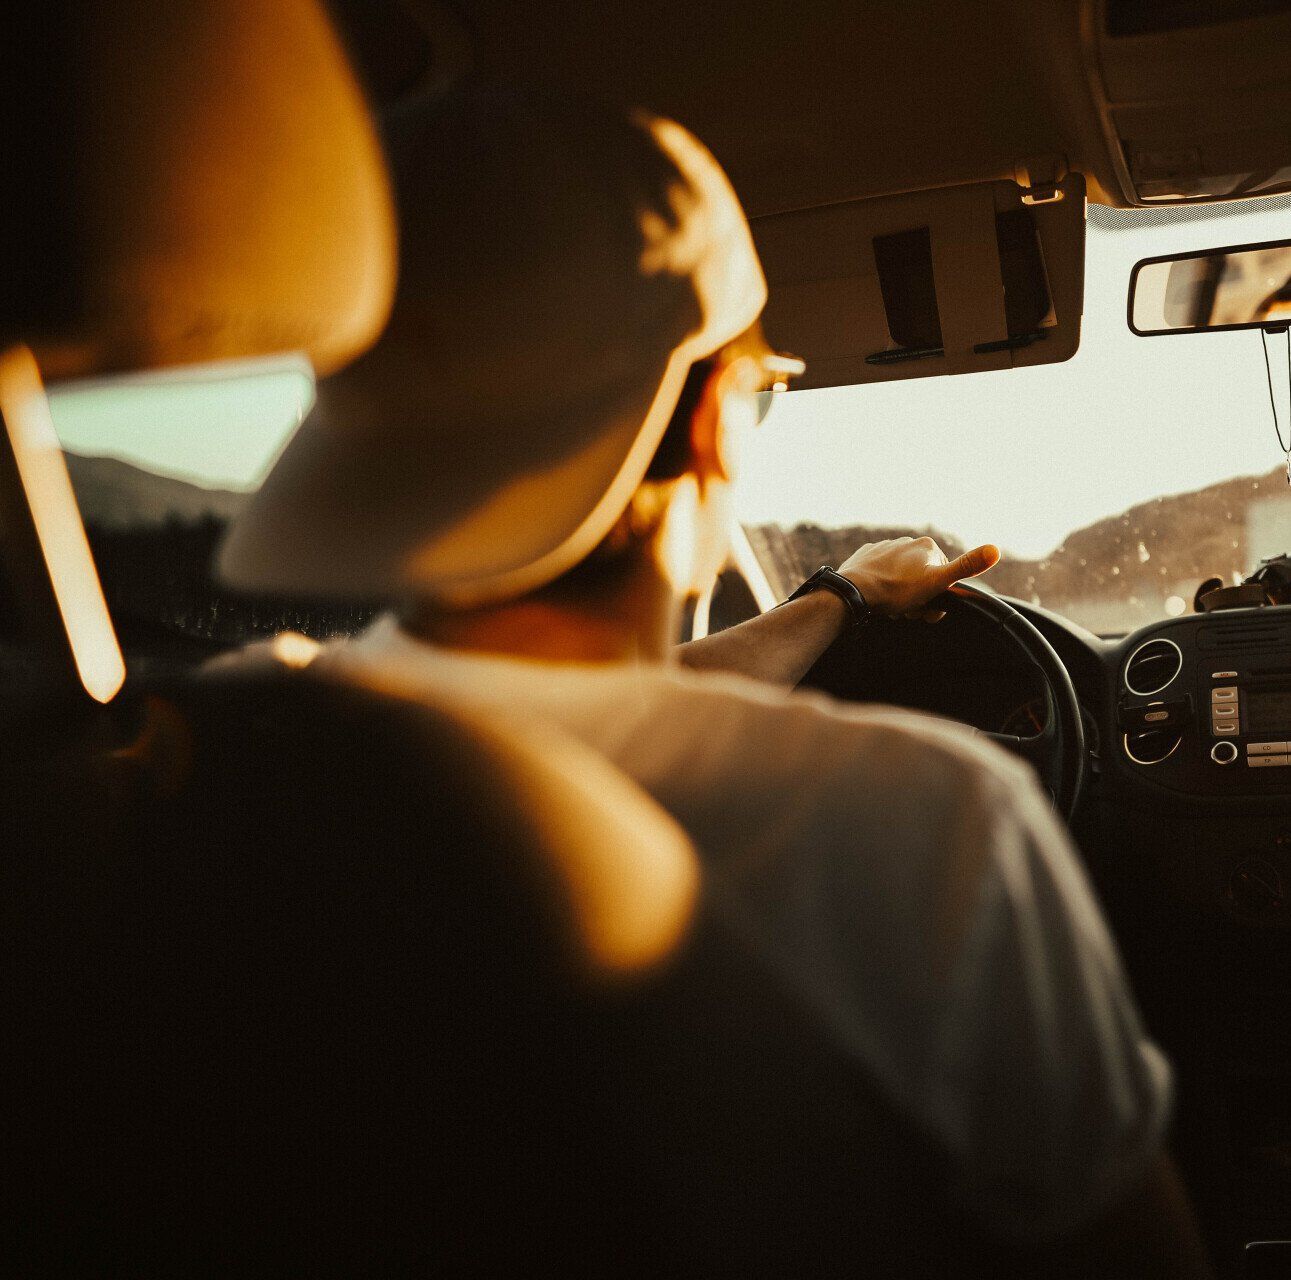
1268, 711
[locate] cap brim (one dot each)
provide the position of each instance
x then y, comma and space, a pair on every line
335, 518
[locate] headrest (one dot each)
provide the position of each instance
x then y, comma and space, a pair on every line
188, 182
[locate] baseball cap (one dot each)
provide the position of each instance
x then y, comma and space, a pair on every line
562, 266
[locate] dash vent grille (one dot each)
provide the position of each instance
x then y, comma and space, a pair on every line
1244, 635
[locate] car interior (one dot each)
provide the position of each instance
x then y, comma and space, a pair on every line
304, 978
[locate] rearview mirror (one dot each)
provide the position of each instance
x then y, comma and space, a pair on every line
1245, 286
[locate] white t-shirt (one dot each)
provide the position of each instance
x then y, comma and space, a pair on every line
908, 879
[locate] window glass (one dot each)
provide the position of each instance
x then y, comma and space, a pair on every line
161, 462
1115, 483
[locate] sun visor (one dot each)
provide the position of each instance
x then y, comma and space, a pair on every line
953, 280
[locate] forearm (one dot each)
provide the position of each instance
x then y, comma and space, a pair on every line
779, 646
898, 578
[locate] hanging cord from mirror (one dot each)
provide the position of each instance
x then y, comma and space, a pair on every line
1285, 446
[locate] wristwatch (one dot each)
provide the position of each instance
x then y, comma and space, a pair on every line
827, 579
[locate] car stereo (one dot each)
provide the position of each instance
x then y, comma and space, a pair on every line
1254, 712
1204, 703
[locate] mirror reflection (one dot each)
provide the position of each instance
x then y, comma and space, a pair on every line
1215, 289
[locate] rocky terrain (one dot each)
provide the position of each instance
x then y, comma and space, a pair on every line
119, 495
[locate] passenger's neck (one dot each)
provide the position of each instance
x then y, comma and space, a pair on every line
629, 629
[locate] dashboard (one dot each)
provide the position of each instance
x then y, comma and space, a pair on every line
1188, 729
1198, 706
1204, 704
1184, 827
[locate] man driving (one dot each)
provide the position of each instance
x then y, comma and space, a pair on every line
536, 462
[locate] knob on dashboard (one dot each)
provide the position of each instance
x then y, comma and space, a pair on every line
1224, 752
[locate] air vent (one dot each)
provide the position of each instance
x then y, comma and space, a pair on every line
1152, 666
1243, 635
1151, 746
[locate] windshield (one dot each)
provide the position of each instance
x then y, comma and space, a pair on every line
1114, 483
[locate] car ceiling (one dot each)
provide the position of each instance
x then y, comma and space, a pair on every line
810, 104
826, 106
804, 104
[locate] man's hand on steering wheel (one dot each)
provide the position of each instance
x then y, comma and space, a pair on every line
899, 576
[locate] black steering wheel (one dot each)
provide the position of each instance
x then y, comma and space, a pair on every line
1057, 752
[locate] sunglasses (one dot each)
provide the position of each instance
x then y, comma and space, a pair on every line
763, 376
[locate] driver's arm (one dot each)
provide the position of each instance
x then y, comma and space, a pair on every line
897, 577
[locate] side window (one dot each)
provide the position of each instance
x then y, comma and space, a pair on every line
161, 464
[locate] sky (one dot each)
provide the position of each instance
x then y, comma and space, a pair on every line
221, 426
1022, 457
1019, 457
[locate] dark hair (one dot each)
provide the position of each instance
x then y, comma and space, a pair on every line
672, 458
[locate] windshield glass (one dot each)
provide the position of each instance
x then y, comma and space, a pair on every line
217, 426
1114, 483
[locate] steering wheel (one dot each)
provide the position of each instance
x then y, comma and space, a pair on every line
1057, 752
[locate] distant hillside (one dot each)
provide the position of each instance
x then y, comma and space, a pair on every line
154, 538
119, 495
1115, 572
790, 555
1223, 529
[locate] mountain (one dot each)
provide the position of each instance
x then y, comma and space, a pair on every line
1113, 573
790, 555
1164, 546
117, 495
154, 538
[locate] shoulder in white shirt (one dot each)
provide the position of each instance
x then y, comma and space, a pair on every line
908, 879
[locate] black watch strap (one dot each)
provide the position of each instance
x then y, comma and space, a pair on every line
827, 579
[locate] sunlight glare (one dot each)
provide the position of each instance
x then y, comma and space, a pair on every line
57, 520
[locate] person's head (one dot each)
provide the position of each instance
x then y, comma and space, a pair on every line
675, 528
573, 355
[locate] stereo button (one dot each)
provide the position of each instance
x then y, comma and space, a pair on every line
1223, 675
1224, 752
1267, 748
1224, 710
1268, 762
1224, 728
1228, 693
